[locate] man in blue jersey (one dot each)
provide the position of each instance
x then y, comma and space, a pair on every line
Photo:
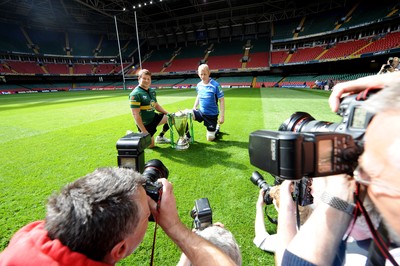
205, 109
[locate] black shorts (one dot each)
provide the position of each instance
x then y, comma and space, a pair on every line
152, 127
210, 121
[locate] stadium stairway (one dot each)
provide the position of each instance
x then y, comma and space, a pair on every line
175, 54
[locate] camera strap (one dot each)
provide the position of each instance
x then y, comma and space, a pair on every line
270, 219
298, 213
375, 256
380, 245
155, 229
154, 244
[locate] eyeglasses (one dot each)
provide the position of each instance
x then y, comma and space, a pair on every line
363, 178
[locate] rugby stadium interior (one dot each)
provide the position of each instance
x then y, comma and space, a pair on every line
64, 45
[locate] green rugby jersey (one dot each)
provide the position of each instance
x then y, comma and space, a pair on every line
145, 100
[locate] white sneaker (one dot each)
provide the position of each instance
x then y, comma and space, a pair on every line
162, 140
210, 135
188, 139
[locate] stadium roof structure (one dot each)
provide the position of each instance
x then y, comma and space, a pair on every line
155, 17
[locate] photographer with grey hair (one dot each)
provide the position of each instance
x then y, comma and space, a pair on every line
102, 218
222, 238
320, 240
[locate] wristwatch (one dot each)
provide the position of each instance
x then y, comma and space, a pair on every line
337, 203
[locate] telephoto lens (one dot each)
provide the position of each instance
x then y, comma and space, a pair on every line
304, 122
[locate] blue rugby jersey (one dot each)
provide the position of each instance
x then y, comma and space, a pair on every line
208, 96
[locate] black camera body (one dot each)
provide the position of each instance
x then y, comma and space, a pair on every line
131, 155
387, 66
304, 148
292, 155
154, 170
311, 148
201, 213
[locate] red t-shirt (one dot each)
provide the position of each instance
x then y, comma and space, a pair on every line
31, 246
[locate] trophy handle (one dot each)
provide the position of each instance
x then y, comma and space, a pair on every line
171, 129
190, 122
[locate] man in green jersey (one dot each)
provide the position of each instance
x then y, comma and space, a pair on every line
143, 104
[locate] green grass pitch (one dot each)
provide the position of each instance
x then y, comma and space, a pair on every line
48, 140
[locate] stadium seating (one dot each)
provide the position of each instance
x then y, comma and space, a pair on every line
128, 47
268, 81
256, 60
306, 54
320, 22
51, 44
279, 56
108, 47
259, 53
183, 65
167, 83
284, 29
154, 60
225, 62
189, 82
53, 68
226, 55
344, 49
368, 11
25, 67
388, 41
296, 81
12, 39
5, 68
82, 69
235, 81
306, 33
153, 66
83, 44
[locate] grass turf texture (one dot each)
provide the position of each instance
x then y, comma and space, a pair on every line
48, 140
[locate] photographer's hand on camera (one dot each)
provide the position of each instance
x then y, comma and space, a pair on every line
286, 219
340, 186
166, 214
197, 249
342, 89
286, 196
259, 223
260, 200
322, 233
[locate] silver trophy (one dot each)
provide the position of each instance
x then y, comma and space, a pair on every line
180, 122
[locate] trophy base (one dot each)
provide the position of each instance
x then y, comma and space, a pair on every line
182, 144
